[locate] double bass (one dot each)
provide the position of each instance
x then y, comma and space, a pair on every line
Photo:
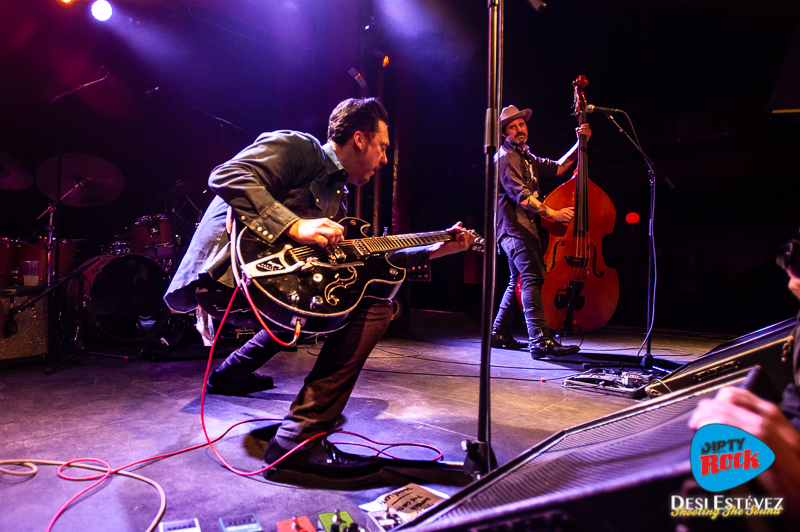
580, 291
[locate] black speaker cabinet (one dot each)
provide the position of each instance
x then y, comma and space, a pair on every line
615, 473
763, 347
31, 337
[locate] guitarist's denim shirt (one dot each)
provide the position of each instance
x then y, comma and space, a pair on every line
282, 177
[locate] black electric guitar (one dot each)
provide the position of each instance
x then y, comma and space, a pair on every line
320, 286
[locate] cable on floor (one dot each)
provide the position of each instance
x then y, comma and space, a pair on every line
73, 463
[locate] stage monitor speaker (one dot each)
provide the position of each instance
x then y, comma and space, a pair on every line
31, 336
764, 347
617, 473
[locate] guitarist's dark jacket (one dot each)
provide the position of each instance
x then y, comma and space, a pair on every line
282, 177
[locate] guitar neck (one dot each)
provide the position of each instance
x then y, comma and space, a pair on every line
394, 242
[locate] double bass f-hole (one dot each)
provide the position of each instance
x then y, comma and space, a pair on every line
594, 262
555, 253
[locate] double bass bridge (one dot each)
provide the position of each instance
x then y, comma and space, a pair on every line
577, 262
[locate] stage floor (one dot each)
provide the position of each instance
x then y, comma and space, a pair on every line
421, 386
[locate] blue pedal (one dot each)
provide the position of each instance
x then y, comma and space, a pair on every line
187, 525
245, 523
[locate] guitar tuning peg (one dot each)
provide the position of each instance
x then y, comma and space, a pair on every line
385, 231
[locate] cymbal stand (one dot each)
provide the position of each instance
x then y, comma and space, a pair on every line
50, 244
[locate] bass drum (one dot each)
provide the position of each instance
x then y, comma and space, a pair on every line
123, 297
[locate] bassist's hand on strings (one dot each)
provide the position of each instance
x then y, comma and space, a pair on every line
584, 130
564, 215
320, 231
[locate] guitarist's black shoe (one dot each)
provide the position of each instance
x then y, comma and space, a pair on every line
505, 341
545, 346
321, 464
240, 388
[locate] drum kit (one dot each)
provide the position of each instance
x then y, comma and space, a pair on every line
117, 295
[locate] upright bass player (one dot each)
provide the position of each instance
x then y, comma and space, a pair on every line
519, 209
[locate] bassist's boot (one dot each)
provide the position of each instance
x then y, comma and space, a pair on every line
544, 346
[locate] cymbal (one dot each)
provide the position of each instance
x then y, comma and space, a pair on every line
182, 189
86, 180
13, 174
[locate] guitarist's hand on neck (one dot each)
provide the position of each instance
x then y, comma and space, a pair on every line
320, 231
463, 240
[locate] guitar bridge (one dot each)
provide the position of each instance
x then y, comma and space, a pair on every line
270, 265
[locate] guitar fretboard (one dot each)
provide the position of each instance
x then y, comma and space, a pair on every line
390, 243
377, 244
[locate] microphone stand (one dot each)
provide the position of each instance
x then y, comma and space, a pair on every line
52, 259
647, 360
480, 458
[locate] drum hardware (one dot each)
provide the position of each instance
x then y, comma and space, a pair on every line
78, 344
120, 298
77, 180
183, 189
86, 180
120, 245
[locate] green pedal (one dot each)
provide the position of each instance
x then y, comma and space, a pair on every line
187, 525
246, 523
340, 518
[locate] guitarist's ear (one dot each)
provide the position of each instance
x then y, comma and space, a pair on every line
359, 141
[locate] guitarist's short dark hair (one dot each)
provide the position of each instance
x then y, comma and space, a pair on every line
353, 115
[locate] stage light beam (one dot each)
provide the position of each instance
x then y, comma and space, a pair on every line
101, 10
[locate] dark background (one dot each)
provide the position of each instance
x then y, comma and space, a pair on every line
698, 79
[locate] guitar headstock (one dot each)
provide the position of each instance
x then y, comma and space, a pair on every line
579, 100
479, 244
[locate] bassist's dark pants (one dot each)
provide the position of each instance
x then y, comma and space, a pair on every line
319, 405
525, 261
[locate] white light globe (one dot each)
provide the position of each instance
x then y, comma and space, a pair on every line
101, 10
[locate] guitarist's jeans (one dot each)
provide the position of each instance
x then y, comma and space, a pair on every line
319, 405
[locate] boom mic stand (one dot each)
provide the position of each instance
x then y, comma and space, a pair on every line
646, 361
52, 257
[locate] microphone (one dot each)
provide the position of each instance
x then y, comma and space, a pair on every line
604, 110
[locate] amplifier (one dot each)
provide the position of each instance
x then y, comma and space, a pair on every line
31, 336
616, 473
763, 347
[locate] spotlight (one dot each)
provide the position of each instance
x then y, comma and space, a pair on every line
66, 1
385, 60
101, 10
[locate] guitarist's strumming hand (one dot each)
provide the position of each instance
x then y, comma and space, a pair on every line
320, 231
463, 240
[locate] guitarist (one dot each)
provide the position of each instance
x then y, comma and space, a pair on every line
287, 183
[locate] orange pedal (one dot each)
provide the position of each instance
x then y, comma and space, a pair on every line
296, 524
